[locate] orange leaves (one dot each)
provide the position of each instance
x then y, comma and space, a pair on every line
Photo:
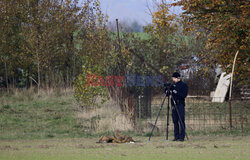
227, 25
162, 20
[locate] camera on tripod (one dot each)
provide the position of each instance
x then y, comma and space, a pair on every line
167, 86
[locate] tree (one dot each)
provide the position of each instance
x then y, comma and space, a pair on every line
157, 52
170, 45
93, 50
227, 24
41, 37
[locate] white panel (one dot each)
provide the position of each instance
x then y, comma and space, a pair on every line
222, 88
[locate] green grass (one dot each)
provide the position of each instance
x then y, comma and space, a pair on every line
30, 117
26, 116
46, 127
198, 148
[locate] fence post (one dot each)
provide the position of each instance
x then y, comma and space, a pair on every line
230, 113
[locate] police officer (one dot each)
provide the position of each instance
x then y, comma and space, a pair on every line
179, 91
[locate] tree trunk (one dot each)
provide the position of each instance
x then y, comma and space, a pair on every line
38, 72
6, 75
132, 109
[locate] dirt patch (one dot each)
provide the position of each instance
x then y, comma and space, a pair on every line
81, 146
45, 146
26, 146
160, 147
137, 145
112, 144
200, 147
225, 146
49, 110
180, 146
7, 148
221, 146
95, 147
165, 146
171, 145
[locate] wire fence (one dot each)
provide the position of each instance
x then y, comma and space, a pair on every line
201, 114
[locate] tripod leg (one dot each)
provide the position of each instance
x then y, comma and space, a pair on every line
182, 125
167, 120
157, 118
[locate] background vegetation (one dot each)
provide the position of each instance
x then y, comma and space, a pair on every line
52, 44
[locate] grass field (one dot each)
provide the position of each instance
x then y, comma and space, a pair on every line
27, 116
52, 126
198, 148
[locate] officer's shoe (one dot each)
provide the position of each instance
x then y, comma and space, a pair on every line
175, 139
180, 140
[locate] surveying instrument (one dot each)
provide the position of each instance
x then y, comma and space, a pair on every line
168, 93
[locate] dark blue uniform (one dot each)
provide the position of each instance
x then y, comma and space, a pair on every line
179, 93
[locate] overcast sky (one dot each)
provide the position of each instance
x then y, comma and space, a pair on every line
129, 10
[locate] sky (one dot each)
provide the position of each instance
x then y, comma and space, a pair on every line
129, 10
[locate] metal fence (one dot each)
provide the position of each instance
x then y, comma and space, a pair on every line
201, 114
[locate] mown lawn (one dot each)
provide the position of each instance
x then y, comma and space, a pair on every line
198, 148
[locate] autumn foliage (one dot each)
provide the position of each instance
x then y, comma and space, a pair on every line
65, 43
227, 25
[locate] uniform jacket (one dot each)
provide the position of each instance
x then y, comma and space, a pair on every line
179, 92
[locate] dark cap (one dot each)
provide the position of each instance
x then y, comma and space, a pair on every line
176, 75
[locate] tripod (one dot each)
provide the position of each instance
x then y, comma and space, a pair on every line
175, 107
157, 117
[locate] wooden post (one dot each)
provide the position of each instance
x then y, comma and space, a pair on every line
230, 92
118, 32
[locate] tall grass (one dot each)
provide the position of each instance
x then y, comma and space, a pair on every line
55, 113
28, 115
106, 118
